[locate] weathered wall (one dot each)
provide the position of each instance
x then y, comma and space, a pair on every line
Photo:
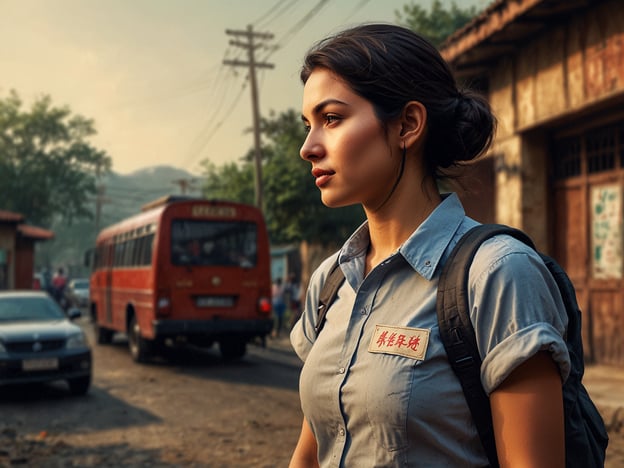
565, 69
570, 73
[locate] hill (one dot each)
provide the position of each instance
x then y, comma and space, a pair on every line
124, 194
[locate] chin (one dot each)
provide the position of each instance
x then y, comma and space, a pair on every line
335, 202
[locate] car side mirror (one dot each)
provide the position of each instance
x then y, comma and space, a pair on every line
73, 314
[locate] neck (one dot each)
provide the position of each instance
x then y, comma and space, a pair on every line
392, 225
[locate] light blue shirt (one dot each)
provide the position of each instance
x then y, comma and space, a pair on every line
373, 409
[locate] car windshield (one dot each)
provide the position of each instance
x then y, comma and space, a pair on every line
25, 309
82, 284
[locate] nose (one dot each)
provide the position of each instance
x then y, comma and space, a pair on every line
312, 148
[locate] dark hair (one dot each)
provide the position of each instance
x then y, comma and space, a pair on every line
389, 66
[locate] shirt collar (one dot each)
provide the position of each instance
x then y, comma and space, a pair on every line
424, 249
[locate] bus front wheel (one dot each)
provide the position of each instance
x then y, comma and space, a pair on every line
140, 348
233, 348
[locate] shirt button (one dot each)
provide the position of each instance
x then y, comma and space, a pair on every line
427, 263
341, 432
363, 311
341, 370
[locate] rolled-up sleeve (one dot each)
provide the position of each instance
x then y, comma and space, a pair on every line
516, 309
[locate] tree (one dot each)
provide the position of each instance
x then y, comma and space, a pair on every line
439, 23
293, 209
48, 169
229, 181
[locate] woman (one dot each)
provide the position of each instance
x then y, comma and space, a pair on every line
385, 118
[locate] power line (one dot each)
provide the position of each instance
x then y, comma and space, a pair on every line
258, 23
211, 127
208, 131
355, 10
297, 27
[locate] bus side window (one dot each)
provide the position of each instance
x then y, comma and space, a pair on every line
148, 245
89, 259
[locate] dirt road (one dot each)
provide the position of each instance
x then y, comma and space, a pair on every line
192, 409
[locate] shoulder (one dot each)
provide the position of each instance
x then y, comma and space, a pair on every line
510, 283
506, 255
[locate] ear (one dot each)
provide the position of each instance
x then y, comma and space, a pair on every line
413, 124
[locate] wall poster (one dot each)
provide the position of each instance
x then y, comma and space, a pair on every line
606, 231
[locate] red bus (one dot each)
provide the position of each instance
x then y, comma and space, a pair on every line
183, 271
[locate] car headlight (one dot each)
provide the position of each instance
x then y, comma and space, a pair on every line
76, 341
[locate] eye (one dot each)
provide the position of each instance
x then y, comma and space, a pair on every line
331, 118
306, 127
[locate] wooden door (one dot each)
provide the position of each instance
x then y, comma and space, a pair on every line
587, 236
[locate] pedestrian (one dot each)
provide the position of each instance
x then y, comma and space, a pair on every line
279, 305
59, 283
386, 120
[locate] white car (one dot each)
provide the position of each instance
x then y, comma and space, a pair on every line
77, 292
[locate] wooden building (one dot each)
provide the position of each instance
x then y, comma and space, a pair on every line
553, 71
17, 245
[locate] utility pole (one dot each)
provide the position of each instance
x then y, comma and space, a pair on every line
251, 47
185, 185
100, 199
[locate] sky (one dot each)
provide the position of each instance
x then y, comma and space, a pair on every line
150, 73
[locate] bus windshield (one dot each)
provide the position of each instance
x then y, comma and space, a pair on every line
213, 243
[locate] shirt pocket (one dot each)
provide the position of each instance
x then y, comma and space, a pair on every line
388, 394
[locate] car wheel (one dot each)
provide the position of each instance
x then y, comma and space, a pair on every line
233, 348
79, 385
140, 348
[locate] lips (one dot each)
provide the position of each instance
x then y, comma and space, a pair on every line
322, 176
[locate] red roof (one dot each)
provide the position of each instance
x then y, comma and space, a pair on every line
34, 232
10, 217
25, 230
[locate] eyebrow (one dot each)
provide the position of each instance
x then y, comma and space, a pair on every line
321, 105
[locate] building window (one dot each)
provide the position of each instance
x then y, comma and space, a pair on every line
591, 152
600, 145
568, 158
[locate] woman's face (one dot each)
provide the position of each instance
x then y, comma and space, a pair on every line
353, 159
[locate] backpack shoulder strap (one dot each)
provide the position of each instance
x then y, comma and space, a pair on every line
457, 332
328, 294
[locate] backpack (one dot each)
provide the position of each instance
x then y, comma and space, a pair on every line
585, 433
